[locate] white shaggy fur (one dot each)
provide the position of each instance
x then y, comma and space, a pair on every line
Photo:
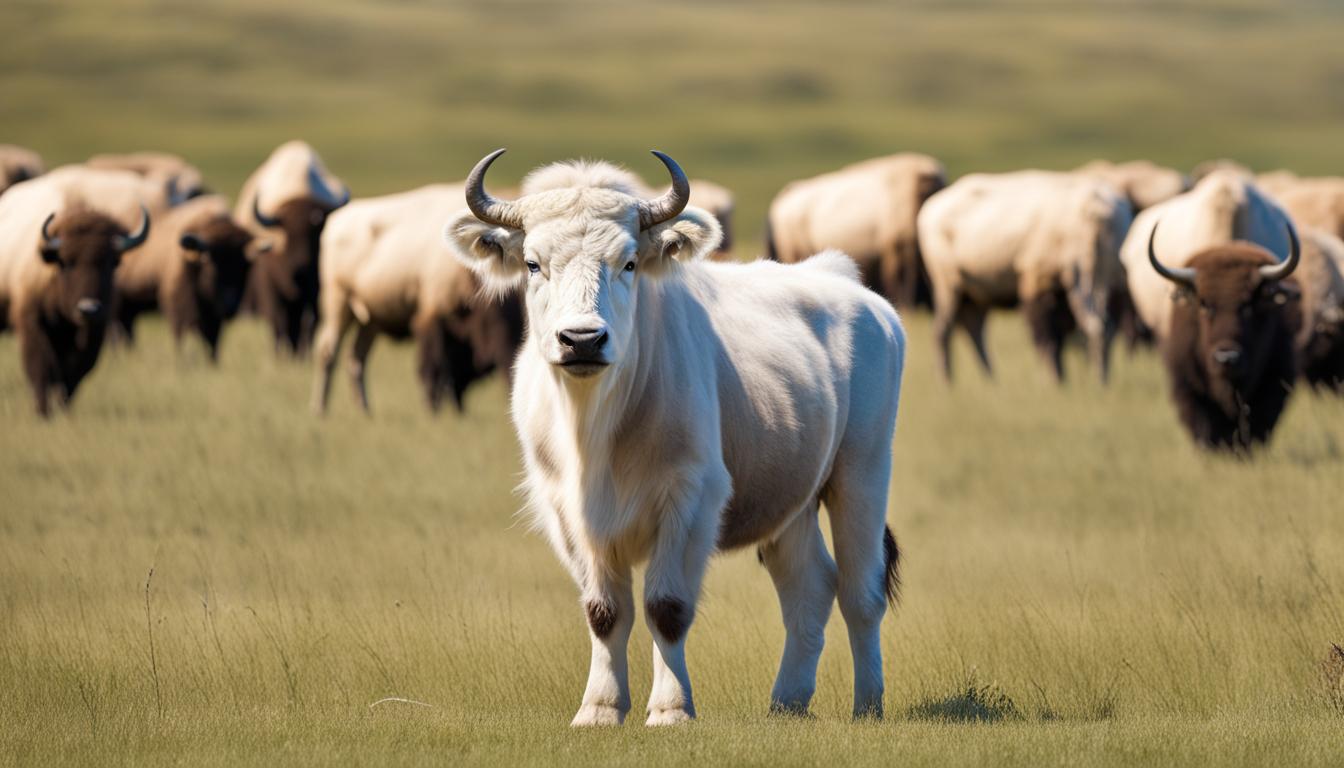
737, 397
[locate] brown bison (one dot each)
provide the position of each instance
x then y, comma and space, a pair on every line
387, 271
193, 268
18, 164
1229, 349
56, 272
285, 203
867, 210
1320, 342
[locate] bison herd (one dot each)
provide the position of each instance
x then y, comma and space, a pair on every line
1238, 279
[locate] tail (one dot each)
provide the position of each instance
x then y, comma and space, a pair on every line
892, 558
771, 252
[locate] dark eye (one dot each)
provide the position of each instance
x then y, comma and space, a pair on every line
533, 267
629, 266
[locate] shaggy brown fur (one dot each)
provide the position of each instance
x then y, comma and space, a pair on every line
1232, 407
284, 285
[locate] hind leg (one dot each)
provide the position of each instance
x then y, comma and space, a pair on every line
856, 501
359, 356
971, 317
945, 302
805, 577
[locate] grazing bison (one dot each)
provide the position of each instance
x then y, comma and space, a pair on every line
18, 164
386, 270
1223, 207
57, 259
1229, 348
670, 406
285, 203
867, 210
193, 268
180, 180
1320, 342
1048, 241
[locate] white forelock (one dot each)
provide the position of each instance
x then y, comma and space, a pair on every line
581, 173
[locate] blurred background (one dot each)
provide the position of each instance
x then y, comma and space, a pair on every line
749, 94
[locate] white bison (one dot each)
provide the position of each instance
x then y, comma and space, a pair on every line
669, 407
1048, 241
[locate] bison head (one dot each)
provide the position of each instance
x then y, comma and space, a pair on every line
290, 259
1234, 320
217, 251
85, 247
584, 248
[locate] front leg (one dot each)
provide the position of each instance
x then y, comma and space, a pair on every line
686, 538
609, 605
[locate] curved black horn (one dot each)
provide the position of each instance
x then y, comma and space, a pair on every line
137, 237
1286, 267
660, 209
500, 213
261, 218
48, 241
1180, 275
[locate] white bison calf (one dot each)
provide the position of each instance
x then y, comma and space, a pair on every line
669, 407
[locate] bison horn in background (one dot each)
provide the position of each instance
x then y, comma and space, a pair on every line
48, 241
500, 213
261, 218
1180, 275
137, 237
658, 210
1286, 267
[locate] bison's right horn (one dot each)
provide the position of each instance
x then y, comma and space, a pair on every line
1286, 267
1180, 275
668, 206
48, 241
500, 213
136, 238
262, 218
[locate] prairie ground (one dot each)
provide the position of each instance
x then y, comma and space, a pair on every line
1081, 584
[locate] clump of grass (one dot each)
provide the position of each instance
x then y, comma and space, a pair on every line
1332, 678
971, 703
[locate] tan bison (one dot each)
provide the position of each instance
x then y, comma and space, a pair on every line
1045, 240
386, 270
867, 210
18, 164
180, 180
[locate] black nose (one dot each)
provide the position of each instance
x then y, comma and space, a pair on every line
583, 342
1227, 355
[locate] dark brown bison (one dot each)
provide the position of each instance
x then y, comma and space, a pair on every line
193, 268
58, 287
285, 203
1230, 352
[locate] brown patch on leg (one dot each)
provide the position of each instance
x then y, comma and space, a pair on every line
670, 616
601, 617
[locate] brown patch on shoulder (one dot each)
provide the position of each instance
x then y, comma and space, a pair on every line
601, 617
670, 616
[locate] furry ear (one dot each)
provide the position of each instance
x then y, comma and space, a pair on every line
495, 254
690, 236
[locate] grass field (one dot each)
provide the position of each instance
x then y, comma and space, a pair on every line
1082, 585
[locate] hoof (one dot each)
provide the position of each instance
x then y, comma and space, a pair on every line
669, 717
590, 715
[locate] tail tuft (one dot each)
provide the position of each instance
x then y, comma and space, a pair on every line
892, 557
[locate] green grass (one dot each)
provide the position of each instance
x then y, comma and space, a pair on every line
1080, 582
1082, 585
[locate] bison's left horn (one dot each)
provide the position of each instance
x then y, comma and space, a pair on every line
262, 218
500, 213
1286, 267
49, 241
137, 237
658, 210
1180, 275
